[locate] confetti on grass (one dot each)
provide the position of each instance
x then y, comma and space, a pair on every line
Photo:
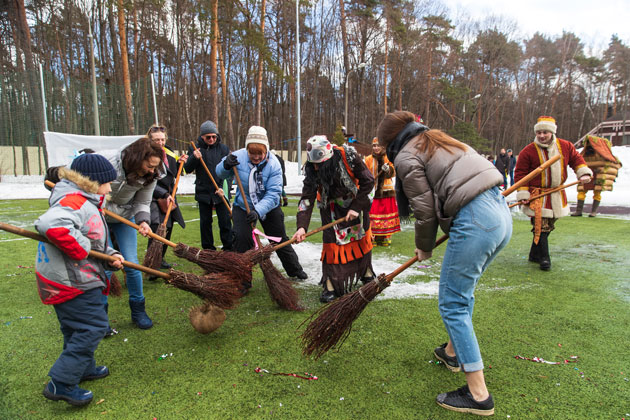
572, 359
306, 375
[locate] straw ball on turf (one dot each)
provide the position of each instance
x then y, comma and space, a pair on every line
206, 318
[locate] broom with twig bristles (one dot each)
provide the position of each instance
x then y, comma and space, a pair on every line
280, 289
153, 256
333, 322
210, 260
217, 288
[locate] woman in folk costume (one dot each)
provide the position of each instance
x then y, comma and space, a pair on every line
597, 154
384, 219
339, 181
545, 211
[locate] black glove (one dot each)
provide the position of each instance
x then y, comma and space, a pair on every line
285, 201
52, 175
230, 162
251, 217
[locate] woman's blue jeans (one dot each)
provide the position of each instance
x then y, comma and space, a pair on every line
479, 231
127, 239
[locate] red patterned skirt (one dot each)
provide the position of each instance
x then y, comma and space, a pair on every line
384, 219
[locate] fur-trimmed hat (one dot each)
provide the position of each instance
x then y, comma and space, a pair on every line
257, 134
95, 167
546, 123
318, 149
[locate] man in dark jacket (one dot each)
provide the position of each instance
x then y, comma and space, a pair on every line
503, 164
211, 150
511, 166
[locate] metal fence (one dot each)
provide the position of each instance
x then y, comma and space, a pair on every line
68, 105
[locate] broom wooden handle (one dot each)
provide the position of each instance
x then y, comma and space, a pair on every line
409, 262
170, 206
312, 232
505, 193
553, 190
212, 179
240, 187
127, 222
28, 234
531, 175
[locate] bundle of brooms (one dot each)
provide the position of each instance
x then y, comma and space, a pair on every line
153, 256
207, 317
280, 289
210, 261
333, 322
218, 288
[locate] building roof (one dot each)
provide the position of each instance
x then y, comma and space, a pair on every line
619, 116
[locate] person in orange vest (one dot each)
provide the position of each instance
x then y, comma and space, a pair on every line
337, 179
384, 220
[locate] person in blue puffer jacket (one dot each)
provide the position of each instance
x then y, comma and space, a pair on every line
70, 279
261, 176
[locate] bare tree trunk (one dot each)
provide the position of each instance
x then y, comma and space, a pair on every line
136, 36
385, 69
260, 65
226, 98
125, 65
22, 36
400, 82
344, 36
214, 103
429, 77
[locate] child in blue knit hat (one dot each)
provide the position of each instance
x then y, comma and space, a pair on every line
70, 279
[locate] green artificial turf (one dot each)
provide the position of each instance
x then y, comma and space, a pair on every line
384, 370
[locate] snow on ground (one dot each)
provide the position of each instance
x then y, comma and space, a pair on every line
31, 186
25, 187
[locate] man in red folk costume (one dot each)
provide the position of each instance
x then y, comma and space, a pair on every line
384, 218
546, 210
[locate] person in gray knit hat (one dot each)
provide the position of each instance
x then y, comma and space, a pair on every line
211, 149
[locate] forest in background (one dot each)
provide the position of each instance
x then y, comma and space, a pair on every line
234, 62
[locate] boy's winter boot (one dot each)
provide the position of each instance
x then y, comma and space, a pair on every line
139, 316
72, 394
545, 261
594, 208
97, 373
579, 208
110, 331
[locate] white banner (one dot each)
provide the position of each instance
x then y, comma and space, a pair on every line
62, 147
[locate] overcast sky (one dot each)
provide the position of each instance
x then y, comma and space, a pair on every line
594, 22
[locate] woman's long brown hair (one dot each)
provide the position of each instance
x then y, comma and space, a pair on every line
135, 154
429, 141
